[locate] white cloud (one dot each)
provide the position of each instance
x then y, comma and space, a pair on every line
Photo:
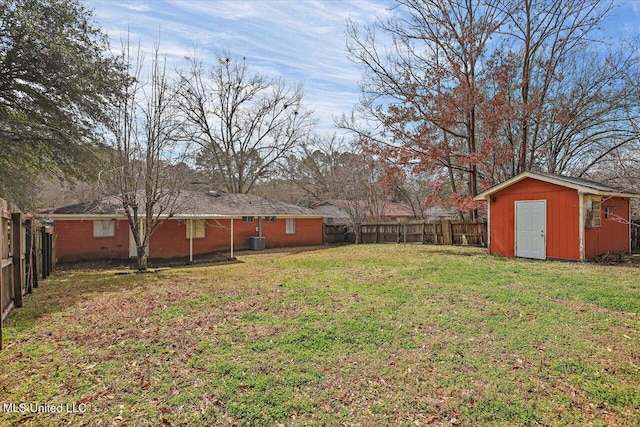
301, 41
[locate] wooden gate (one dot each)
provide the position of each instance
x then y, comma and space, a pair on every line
27, 250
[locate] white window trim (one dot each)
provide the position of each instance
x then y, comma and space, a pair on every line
290, 226
104, 228
198, 226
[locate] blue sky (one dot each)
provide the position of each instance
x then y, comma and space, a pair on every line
300, 40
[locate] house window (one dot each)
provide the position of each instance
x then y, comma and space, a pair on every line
197, 227
247, 219
270, 219
291, 226
104, 228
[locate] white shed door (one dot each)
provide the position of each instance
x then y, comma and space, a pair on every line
531, 229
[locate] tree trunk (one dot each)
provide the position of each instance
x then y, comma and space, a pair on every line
143, 258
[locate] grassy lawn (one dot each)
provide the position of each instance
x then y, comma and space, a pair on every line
352, 335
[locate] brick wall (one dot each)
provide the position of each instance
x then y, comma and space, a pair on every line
75, 239
170, 239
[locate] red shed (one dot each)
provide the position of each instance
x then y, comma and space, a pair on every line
540, 216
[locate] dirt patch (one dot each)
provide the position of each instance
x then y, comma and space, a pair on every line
630, 260
129, 264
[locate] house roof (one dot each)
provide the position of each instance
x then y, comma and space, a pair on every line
440, 212
583, 186
196, 204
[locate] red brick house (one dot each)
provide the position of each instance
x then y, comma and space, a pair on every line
540, 216
206, 222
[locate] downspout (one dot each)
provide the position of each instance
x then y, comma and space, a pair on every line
630, 225
581, 232
232, 238
259, 226
489, 223
190, 240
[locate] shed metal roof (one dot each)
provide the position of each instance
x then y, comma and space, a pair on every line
583, 186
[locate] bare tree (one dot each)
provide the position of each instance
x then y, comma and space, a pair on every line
243, 123
318, 168
147, 140
328, 168
543, 33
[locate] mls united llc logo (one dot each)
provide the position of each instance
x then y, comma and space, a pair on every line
39, 408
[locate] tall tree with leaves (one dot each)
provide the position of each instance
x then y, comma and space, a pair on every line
424, 90
473, 92
244, 123
56, 80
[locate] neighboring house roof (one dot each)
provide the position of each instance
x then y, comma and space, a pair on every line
440, 212
339, 210
342, 208
333, 211
397, 210
389, 209
583, 186
197, 204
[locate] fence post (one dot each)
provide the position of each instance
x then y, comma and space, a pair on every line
18, 257
29, 255
45, 253
50, 253
447, 238
2, 237
36, 254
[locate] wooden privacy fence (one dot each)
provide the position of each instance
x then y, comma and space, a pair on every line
336, 233
27, 255
444, 232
